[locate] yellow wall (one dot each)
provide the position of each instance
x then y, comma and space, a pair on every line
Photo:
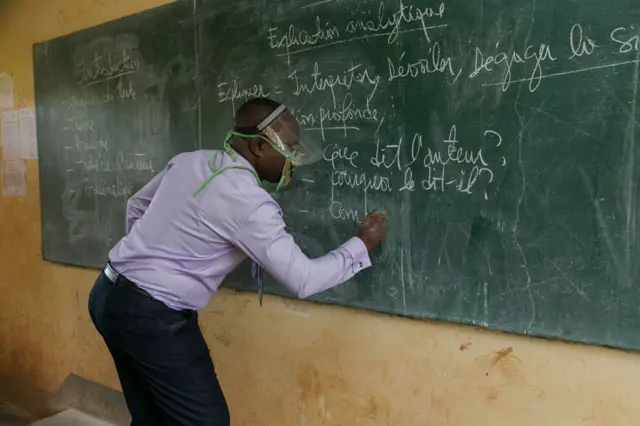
333, 366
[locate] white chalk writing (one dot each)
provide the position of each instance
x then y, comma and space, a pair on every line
103, 69
504, 61
232, 92
405, 14
435, 63
355, 74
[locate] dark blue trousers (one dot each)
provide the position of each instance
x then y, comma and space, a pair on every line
162, 359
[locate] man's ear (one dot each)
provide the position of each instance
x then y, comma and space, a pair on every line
256, 146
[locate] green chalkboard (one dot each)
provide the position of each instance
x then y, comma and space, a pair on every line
114, 102
499, 137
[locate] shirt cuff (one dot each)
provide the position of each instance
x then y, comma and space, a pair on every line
359, 254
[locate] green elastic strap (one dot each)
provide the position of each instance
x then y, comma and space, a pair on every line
215, 172
279, 184
273, 145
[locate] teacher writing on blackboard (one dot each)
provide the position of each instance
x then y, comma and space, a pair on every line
188, 228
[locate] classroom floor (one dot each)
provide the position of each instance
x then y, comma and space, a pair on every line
14, 416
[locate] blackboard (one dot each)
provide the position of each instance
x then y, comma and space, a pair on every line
499, 137
114, 102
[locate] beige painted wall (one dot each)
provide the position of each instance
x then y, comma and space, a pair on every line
333, 366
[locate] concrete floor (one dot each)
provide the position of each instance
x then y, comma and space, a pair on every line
72, 417
14, 416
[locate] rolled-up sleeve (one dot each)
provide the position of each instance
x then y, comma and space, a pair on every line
262, 236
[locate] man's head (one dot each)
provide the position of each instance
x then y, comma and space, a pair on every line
266, 137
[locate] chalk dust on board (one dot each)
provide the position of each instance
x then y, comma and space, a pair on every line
6, 91
10, 129
14, 182
28, 134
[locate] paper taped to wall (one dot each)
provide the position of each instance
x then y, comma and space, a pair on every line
6, 91
10, 129
14, 182
28, 133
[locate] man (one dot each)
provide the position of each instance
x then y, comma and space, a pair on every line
186, 230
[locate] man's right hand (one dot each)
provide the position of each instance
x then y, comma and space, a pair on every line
372, 229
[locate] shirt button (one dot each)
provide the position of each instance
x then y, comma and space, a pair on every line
359, 265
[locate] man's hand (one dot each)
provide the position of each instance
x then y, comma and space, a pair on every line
372, 229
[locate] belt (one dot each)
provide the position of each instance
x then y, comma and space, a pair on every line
122, 281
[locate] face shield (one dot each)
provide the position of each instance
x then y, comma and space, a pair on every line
284, 135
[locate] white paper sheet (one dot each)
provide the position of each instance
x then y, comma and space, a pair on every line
28, 133
6, 91
10, 129
14, 181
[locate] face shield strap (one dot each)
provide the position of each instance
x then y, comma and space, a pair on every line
259, 128
270, 133
257, 135
271, 117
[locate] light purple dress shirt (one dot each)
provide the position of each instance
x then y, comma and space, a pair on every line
179, 248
